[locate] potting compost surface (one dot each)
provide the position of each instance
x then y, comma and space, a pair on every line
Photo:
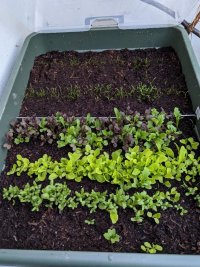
78, 83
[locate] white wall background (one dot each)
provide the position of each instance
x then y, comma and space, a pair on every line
19, 18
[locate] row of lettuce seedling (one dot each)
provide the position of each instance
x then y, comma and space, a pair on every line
154, 128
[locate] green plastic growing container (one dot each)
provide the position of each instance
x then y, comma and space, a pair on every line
10, 104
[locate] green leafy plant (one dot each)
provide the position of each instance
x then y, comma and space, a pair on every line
11, 193
112, 236
151, 248
71, 135
21, 165
42, 125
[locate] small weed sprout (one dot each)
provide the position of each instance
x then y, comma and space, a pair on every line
139, 63
73, 92
102, 91
94, 61
90, 222
132, 91
31, 92
121, 93
177, 92
146, 92
119, 61
41, 92
54, 92
146, 62
73, 62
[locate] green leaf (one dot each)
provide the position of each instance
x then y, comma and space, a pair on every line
157, 215
187, 178
136, 172
116, 154
78, 179
169, 152
183, 141
177, 115
88, 148
45, 196
169, 173
147, 244
117, 114
149, 214
158, 247
145, 173
71, 176
167, 184
114, 216
182, 154
53, 176
17, 141
143, 248
41, 178
112, 236
152, 250
19, 157
193, 143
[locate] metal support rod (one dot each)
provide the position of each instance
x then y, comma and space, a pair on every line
189, 115
45, 117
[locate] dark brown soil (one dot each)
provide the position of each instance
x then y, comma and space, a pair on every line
49, 229
102, 81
